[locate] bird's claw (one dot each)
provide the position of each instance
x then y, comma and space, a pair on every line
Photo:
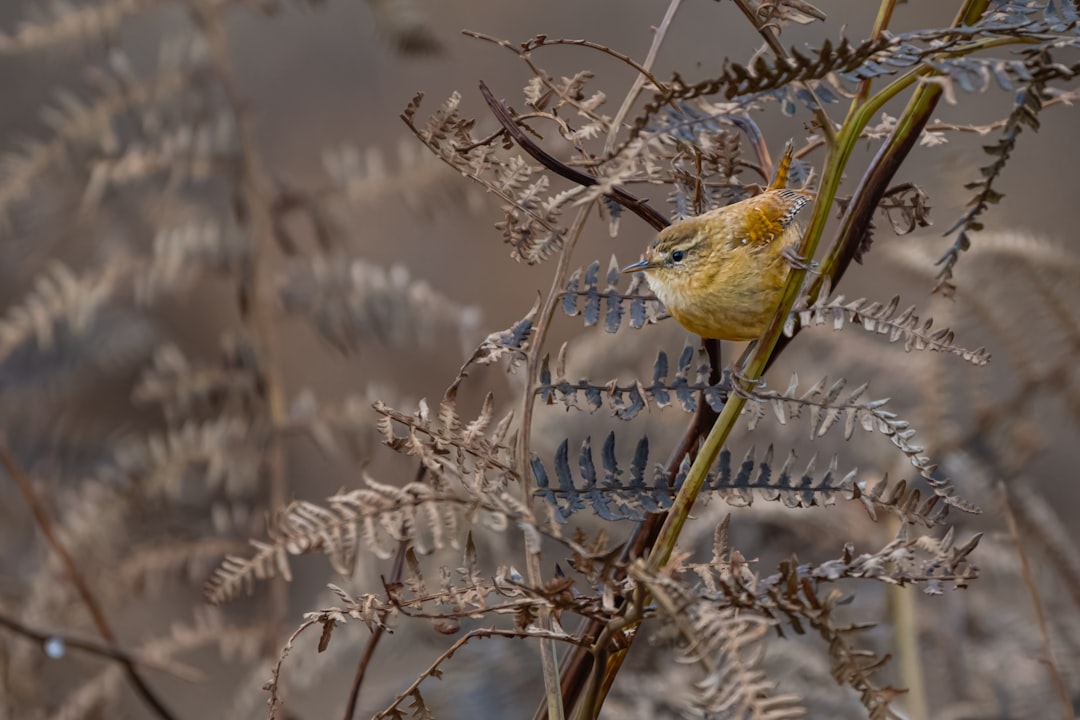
797, 261
741, 382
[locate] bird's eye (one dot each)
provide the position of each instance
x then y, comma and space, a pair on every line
678, 255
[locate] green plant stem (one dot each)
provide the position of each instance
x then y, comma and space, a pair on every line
888, 159
909, 125
901, 603
759, 357
769, 34
881, 171
881, 23
904, 137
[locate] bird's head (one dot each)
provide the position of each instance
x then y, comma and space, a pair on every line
676, 251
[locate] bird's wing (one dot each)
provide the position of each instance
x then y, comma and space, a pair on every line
765, 217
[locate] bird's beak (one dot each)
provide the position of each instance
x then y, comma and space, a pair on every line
641, 265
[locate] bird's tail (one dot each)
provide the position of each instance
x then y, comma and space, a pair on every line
780, 178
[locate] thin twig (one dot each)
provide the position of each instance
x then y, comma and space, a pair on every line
376, 636
71, 569
1065, 98
1036, 601
178, 670
881, 24
769, 34
906, 635
482, 633
273, 686
644, 72
528, 403
639, 207
774, 340
542, 76
257, 199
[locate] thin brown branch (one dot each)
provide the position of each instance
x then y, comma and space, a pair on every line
654, 218
102, 650
256, 199
578, 669
71, 569
768, 33
1037, 605
524, 53
524, 452
376, 635
644, 72
482, 633
543, 41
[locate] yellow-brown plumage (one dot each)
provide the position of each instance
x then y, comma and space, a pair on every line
721, 273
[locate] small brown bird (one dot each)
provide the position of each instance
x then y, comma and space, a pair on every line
721, 273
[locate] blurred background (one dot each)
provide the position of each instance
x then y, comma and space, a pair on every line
126, 390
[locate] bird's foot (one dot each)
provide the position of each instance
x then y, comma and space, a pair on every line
797, 261
742, 383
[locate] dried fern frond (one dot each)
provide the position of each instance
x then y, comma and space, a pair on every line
1025, 113
511, 344
450, 447
628, 400
883, 319
826, 411
583, 286
218, 455
182, 387
744, 84
150, 569
548, 95
61, 302
729, 646
64, 24
451, 601
1031, 320
922, 560
614, 499
531, 226
365, 178
185, 253
792, 596
190, 152
372, 519
373, 610
353, 302
704, 165
64, 304
822, 69
82, 130
618, 497
799, 604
